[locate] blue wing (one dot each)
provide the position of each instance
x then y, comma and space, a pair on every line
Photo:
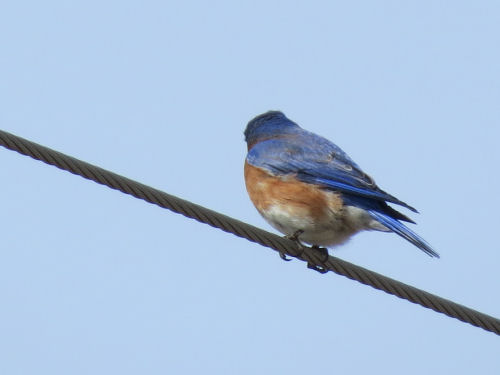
316, 160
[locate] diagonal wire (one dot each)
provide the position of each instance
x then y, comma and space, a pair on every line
313, 257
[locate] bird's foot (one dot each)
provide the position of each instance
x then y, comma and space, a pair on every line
284, 257
323, 252
295, 238
317, 268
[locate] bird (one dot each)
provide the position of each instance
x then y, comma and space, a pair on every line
310, 190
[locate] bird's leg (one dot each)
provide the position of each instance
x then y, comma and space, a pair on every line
295, 235
323, 252
295, 238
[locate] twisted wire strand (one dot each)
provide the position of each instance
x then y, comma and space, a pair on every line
191, 210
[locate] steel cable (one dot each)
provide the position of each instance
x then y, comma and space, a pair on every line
312, 256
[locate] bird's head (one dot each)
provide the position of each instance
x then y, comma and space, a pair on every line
272, 124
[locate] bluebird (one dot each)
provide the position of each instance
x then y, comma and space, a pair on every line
310, 190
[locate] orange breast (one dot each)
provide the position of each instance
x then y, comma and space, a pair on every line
291, 195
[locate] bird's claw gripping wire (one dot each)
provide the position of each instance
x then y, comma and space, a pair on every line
284, 257
324, 253
295, 238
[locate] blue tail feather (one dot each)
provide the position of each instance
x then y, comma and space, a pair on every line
403, 231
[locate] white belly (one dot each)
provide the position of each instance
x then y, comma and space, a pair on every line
333, 229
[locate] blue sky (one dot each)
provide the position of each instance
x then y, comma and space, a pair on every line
93, 281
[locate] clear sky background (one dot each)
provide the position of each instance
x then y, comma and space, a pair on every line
96, 282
